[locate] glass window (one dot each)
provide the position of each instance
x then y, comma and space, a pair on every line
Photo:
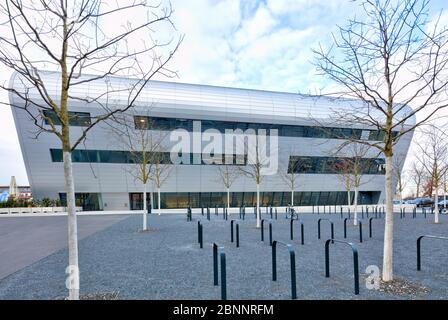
78, 119
205, 199
56, 155
165, 124
297, 198
315, 198
184, 124
136, 201
373, 135
306, 199
169, 200
88, 201
249, 199
141, 122
332, 198
194, 199
332, 165
276, 199
324, 198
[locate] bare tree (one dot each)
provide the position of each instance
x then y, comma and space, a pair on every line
161, 170
434, 150
343, 168
135, 134
256, 162
352, 170
227, 175
393, 58
290, 176
417, 176
75, 38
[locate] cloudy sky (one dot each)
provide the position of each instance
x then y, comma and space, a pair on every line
260, 44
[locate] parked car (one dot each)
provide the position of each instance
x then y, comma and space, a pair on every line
424, 202
443, 206
396, 202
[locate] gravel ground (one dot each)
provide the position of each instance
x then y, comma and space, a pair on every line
167, 263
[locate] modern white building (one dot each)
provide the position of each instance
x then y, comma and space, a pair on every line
307, 135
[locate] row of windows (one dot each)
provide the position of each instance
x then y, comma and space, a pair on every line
249, 199
88, 201
297, 164
167, 124
127, 157
77, 119
333, 165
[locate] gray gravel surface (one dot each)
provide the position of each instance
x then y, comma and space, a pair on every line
167, 263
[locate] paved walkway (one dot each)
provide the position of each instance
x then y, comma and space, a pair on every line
25, 240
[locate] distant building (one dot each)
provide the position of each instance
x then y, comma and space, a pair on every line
13, 190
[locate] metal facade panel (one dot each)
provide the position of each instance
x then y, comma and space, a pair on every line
184, 101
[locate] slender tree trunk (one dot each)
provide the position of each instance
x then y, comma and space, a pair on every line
228, 199
292, 198
158, 201
72, 228
355, 213
388, 224
436, 201
145, 209
258, 207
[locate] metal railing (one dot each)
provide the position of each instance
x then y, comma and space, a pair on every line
270, 231
232, 222
200, 235
355, 261
222, 255
419, 239
302, 231
318, 227
292, 258
359, 228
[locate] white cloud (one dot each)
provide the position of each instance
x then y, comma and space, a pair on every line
259, 25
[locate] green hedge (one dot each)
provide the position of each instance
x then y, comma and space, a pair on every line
16, 203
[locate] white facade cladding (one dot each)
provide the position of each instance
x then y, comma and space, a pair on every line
110, 186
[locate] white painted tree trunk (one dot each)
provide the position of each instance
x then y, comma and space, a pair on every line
145, 209
72, 229
355, 211
436, 207
228, 199
158, 202
258, 207
388, 224
292, 198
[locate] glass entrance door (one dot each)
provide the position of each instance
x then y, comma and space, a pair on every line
136, 200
